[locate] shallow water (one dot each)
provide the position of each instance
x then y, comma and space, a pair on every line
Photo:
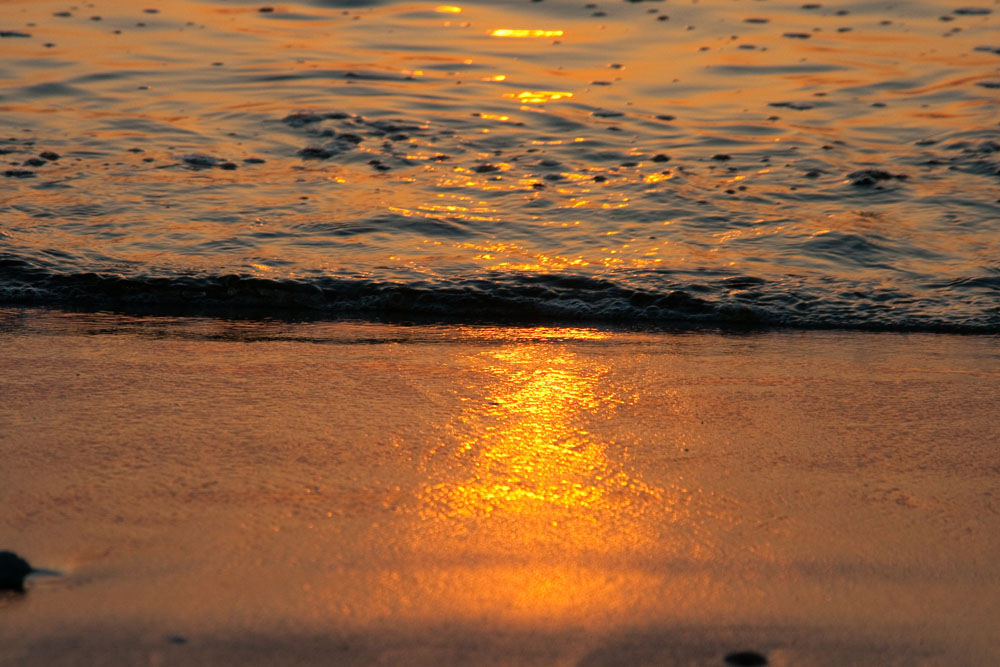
671, 163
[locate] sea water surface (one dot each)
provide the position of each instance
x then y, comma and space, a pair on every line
664, 163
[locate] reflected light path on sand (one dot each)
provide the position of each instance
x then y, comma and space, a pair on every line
538, 518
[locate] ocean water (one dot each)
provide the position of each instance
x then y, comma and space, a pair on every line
695, 163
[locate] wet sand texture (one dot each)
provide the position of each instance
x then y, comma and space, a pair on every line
371, 494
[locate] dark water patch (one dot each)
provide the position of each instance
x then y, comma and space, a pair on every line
870, 177
797, 106
293, 16
759, 70
52, 89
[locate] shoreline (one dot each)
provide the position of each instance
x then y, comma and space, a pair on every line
272, 491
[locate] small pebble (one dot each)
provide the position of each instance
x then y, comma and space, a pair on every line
746, 659
13, 570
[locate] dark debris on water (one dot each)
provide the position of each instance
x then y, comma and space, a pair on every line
869, 177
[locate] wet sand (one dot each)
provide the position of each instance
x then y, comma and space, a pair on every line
352, 493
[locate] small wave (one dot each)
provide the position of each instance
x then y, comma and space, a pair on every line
737, 302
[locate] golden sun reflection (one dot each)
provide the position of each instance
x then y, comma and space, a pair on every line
539, 96
525, 461
511, 32
544, 512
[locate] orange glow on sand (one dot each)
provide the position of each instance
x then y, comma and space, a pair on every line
529, 478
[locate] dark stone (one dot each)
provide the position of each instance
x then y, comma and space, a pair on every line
19, 173
228, 166
13, 33
254, 160
266, 10
746, 658
485, 168
722, 157
13, 570
49, 155
660, 157
35, 162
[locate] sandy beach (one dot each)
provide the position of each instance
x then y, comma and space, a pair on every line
222, 492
